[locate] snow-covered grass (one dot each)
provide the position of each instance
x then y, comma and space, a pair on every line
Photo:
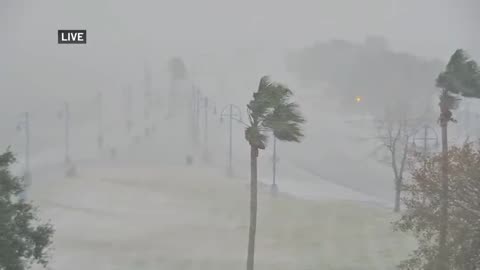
178, 218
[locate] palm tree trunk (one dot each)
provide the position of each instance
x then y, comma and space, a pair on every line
442, 238
253, 207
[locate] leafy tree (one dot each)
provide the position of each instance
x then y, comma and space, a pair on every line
461, 77
423, 200
23, 240
269, 110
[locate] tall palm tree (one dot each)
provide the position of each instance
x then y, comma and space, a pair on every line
269, 110
461, 77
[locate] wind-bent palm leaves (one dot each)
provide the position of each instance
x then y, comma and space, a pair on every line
269, 110
285, 122
462, 76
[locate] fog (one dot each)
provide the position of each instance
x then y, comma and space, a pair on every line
121, 36
227, 46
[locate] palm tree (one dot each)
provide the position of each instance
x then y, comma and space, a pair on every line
269, 110
461, 77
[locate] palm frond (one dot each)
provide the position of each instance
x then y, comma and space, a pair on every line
272, 93
277, 93
290, 132
262, 100
461, 76
264, 83
285, 121
270, 109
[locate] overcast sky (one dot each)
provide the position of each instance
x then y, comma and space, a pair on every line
428, 27
122, 34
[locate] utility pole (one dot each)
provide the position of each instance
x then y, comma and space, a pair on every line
27, 177
237, 115
100, 121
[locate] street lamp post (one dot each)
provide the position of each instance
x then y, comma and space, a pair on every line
195, 115
206, 154
237, 115
230, 147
